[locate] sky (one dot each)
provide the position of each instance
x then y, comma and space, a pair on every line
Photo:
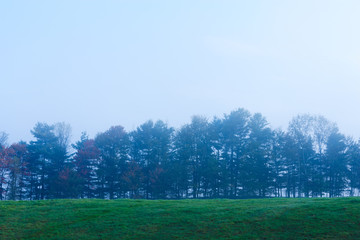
95, 64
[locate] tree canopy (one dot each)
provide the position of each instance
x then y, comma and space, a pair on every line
236, 156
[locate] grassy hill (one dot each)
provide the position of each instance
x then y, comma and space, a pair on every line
337, 218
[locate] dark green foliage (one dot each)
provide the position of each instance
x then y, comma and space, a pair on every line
48, 156
257, 168
234, 132
237, 156
114, 152
353, 159
151, 150
336, 165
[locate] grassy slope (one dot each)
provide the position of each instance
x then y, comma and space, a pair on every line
184, 219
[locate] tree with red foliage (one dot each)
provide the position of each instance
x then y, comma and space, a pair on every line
133, 178
18, 171
3, 170
86, 162
70, 183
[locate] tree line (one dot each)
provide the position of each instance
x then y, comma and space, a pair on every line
236, 156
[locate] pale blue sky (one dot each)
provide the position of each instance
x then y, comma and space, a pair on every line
94, 64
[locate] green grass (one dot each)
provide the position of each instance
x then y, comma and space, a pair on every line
337, 218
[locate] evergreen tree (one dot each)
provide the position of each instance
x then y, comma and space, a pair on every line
353, 159
336, 167
235, 139
48, 156
256, 167
151, 149
114, 153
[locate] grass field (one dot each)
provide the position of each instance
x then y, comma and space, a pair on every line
337, 218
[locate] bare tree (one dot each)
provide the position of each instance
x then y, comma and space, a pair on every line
3, 138
63, 133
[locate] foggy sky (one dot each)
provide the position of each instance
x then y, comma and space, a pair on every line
94, 64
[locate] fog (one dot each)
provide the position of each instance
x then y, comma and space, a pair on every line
95, 64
